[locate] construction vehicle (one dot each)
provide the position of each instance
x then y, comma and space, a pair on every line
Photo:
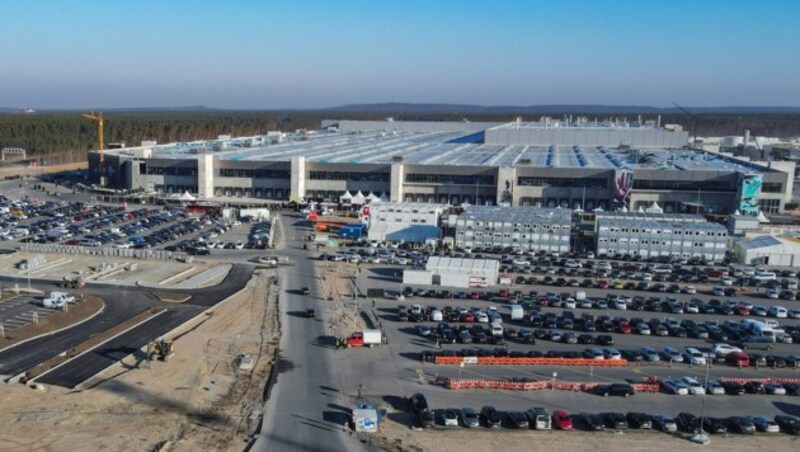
161, 350
73, 283
366, 338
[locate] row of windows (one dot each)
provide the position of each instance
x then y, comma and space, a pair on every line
444, 199
544, 236
254, 173
402, 220
349, 176
614, 229
458, 179
170, 171
238, 192
588, 182
770, 205
772, 187
683, 185
514, 226
175, 188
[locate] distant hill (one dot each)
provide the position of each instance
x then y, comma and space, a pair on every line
397, 107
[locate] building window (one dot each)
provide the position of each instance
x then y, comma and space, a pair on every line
772, 187
562, 182
254, 173
350, 176
450, 179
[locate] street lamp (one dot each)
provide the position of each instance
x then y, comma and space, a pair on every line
701, 437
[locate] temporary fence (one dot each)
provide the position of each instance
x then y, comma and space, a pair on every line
532, 385
95, 251
458, 360
760, 380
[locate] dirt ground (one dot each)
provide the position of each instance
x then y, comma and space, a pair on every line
397, 437
198, 400
336, 283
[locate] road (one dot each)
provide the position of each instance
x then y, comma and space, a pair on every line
306, 409
122, 303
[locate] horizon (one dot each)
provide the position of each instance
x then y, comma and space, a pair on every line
300, 56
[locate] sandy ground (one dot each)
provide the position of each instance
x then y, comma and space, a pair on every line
398, 437
336, 283
150, 272
198, 400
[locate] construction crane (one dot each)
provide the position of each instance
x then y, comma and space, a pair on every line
694, 119
99, 119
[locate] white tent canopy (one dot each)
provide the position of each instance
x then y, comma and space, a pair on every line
183, 197
384, 197
655, 208
359, 198
762, 218
346, 197
371, 197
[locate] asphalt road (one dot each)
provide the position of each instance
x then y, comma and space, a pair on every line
18, 311
306, 409
85, 366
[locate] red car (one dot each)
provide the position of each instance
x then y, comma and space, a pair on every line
741, 310
562, 420
602, 284
624, 327
737, 359
504, 293
468, 317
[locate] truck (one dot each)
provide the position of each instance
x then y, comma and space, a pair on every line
57, 300
366, 338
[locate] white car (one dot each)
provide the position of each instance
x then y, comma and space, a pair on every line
676, 387
587, 304
773, 294
765, 424
690, 290
695, 357
713, 387
726, 281
722, 349
691, 308
775, 389
695, 388
482, 317
570, 303
778, 312
621, 304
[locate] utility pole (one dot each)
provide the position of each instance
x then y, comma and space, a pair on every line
701, 437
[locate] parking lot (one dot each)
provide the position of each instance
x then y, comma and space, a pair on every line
19, 311
397, 366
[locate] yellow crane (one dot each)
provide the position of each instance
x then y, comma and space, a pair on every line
99, 118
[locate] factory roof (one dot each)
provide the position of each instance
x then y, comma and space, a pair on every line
763, 241
439, 148
516, 214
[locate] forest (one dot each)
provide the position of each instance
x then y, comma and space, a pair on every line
49, 133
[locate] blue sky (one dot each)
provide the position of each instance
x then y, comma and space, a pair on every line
300, 54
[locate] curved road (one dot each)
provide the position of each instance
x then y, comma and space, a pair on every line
305, 409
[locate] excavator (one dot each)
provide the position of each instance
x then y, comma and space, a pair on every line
161, 350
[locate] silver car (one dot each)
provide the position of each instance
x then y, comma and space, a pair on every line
470, 418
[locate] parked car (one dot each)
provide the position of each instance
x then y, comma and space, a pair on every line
676, 387
664, 422
765, 424
687, 422
715, 425
592, 421
562, 420
615, 420
490, 416
470, 418
788, 424
741, 424
616, 389
637, 419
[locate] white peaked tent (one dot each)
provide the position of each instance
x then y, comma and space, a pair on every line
359, 198
598, 209
641, 209
737, 212
384, 197
655, 208
371, 197
624, 208
184, 197
346, 198
762, 218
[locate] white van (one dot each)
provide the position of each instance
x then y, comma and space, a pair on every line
436, 315
57, 300
517, 313
764, 276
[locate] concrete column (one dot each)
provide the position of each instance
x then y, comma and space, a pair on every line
298, 179
205, 176
396, 182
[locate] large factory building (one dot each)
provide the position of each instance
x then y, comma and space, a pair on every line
549, 163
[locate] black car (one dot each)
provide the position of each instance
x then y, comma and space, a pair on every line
638, 419
518, 419
305, 291
615, 420
715, 425
616, 389
687, 422
426, 418
792, 389
754, 387
788, 424
592, 421
741, 424
604, 339
418, 402
732, 388
490, 416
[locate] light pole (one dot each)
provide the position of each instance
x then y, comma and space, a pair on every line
701, 437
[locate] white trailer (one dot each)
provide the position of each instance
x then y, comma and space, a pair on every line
517, 313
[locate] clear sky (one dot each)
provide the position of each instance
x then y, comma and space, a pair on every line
299, 54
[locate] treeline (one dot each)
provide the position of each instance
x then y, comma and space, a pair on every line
50, 133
